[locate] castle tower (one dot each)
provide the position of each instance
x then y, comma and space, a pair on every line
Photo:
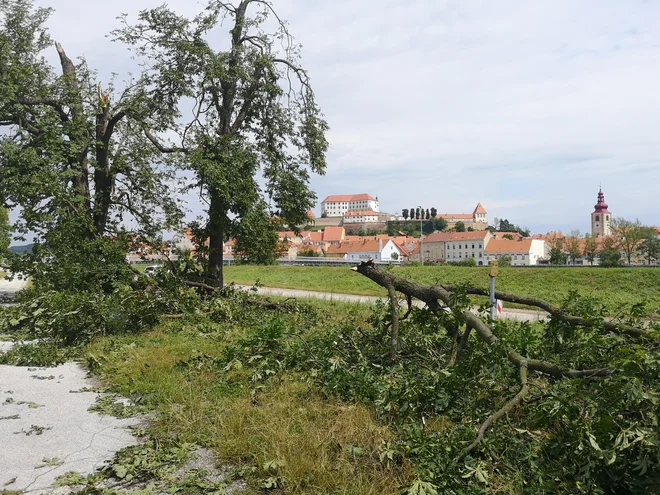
601, 217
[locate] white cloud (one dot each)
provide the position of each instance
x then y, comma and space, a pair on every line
524, 106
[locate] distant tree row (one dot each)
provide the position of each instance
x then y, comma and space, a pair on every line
629, 239
419, 213
503, 225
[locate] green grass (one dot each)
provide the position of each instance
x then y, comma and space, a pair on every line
612, 286
282, 430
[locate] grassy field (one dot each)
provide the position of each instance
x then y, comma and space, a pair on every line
282, 432
612, 286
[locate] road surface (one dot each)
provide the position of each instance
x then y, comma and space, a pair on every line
509, 314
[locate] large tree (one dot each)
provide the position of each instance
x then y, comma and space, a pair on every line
573, 245
650, 247
254, 115
629, 235
73, 158
590, 248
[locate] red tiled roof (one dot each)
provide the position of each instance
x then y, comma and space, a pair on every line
314, 236
500, 235
508, 246
310, 214
348, 197
333, 233
438, 237
372, 245
479, 209
337, 248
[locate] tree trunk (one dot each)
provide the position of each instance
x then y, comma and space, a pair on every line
217, 217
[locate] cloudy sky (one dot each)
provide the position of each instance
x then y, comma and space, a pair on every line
525, 107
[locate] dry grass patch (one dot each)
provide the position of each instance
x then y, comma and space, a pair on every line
304, 443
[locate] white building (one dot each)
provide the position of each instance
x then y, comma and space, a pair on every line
336, 206
523, 252
377, 249
182, 241
360, 216
463, 245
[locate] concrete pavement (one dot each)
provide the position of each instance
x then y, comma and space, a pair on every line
46, 429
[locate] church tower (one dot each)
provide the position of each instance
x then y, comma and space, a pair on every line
601, 217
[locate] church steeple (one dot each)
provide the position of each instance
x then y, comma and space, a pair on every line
601, 217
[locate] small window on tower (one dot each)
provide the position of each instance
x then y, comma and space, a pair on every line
597, 217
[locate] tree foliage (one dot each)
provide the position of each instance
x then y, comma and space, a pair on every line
5, 232
629, 235
71, 152
650, 247
254, 113
590, 248
503, 225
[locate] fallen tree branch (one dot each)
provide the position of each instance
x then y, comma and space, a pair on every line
556, 311
522, 393
432, 294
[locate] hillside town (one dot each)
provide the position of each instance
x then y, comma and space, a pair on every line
353, 228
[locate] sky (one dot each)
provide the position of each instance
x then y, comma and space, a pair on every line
526, 107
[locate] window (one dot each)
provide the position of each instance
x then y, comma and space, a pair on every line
479, 254
597, 217
479, 245
472, 246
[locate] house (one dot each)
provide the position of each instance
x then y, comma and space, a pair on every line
462, 245
333, 235
523, 251
183, 241
337, 205
377, 249
434, 246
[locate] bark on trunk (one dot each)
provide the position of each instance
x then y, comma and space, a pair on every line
217, 215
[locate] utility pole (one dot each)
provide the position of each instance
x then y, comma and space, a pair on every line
494, 270
421, 235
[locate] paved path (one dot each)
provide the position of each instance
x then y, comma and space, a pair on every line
46, 429
510, 314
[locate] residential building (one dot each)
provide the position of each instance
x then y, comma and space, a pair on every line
434, 246
376, 249
333, 235
337, 205
360, 216
462, 245
183, 241
601, 217
523, 251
